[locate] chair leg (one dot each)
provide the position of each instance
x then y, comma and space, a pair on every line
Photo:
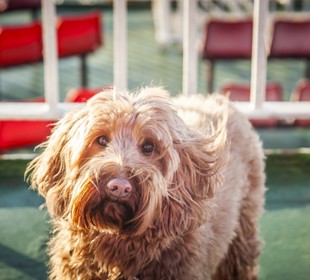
307, 70
210, 75
83, 70
34, 14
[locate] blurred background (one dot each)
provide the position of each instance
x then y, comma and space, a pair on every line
154, 47
223, 46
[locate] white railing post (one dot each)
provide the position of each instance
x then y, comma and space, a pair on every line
190, 55
259, 57
120, 44
50, 53
162, 22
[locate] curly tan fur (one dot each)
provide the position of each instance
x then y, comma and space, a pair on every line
195, 166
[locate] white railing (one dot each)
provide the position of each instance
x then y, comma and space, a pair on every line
52, 109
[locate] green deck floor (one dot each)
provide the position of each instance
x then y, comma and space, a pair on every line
285, 225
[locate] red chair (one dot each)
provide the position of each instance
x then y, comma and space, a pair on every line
77, 35
226, 39
241, 92
17, 134
291, 40
20, 44
236, 92
302, 93
80, 35
82, 95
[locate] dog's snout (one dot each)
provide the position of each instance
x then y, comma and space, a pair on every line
119, 187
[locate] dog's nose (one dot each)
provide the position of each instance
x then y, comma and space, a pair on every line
119, 187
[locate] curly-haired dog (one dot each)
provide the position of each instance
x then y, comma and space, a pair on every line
140, 186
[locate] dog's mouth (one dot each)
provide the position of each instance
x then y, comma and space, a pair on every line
111, 214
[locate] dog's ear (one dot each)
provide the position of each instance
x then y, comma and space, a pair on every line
201, 164
194, 182
50, 172
202, 159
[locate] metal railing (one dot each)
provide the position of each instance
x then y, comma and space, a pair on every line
53, 109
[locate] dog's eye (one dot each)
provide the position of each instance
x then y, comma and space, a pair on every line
103, 141
147, 147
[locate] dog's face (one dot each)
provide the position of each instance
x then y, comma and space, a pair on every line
128, 164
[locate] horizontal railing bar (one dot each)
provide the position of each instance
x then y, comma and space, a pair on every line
279, 110
34, 111
37, 111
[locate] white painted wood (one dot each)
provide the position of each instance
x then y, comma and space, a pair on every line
259, 56
281, 110
50, 55
34, 111
190, 52
120, 44
162, 22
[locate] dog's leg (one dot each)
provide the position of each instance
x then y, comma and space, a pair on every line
243, 252
240, 261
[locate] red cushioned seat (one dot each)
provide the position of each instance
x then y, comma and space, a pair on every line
17, 134
20, 44
291, 39
83, 94
228, 39
79, 34
236, 92
22, 133
302, 93
241, 92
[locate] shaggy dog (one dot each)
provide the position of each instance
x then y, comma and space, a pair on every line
141, 186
